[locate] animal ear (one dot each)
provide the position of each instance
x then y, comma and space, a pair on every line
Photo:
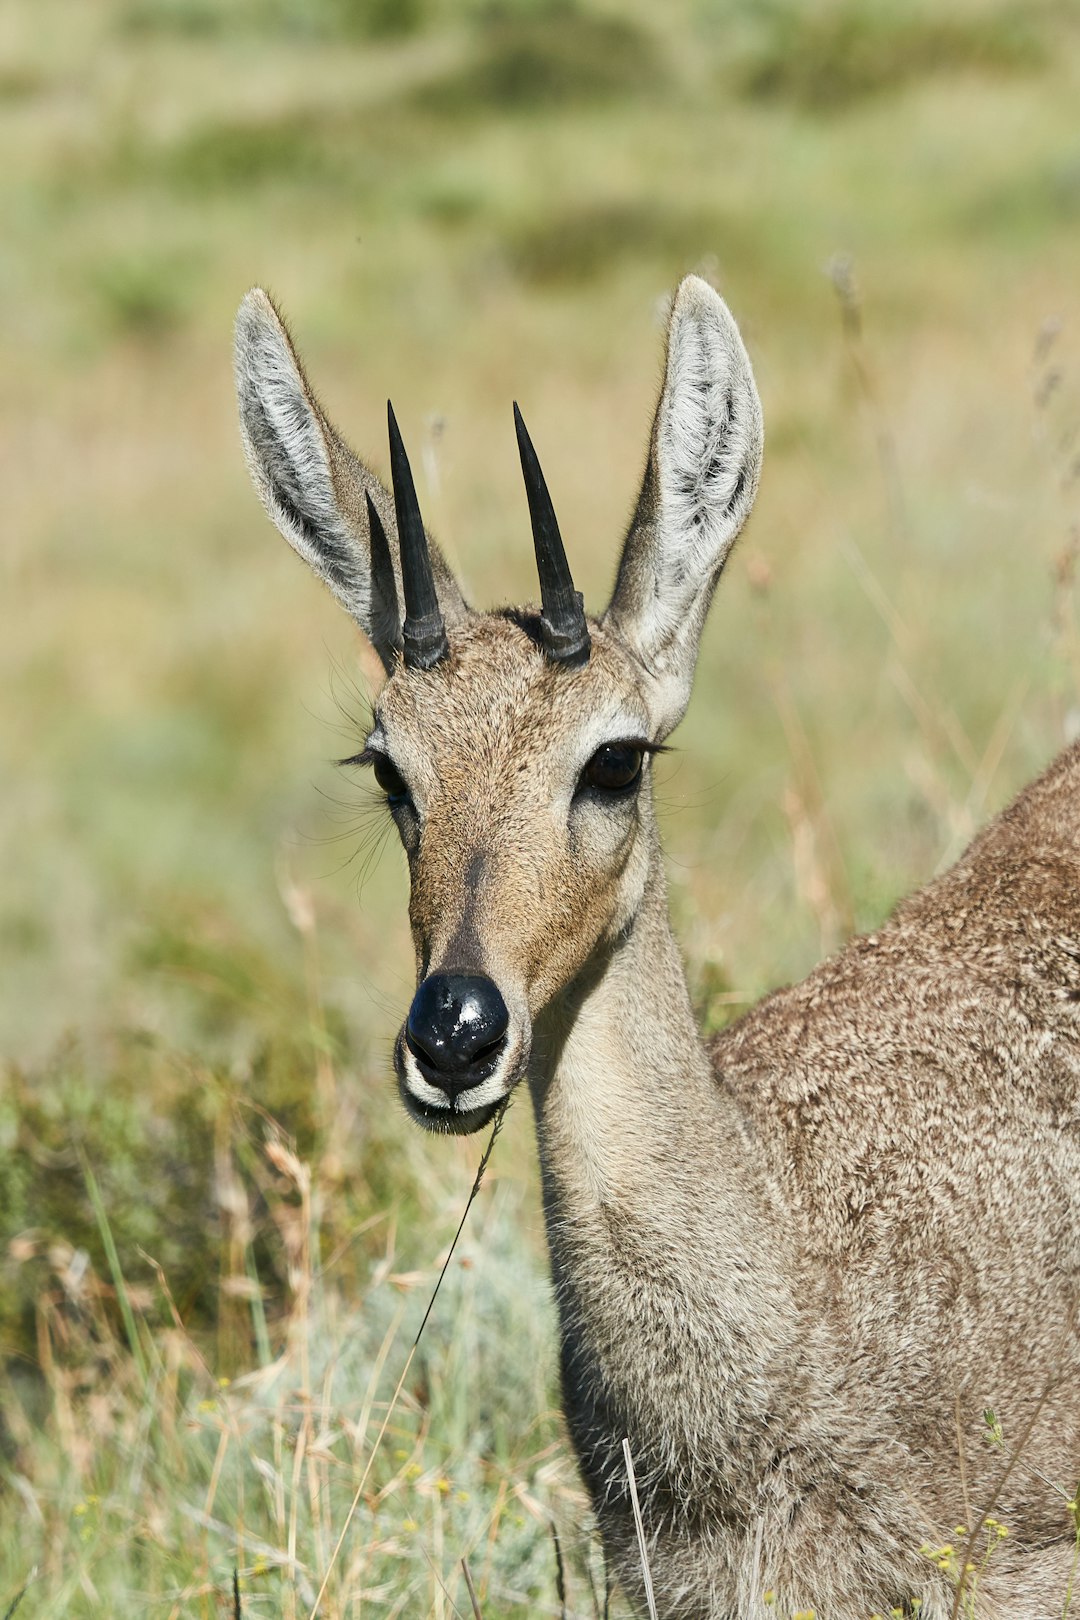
699, 486
333, 511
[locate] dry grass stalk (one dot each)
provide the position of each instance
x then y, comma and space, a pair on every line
473, 1599
640, 1526
408, 1362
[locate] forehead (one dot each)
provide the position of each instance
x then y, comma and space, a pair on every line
497, 686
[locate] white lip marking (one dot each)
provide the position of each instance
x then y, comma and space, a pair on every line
491, 1090
431, 1095
488, 1091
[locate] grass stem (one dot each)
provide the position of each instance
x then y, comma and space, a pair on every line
640, 1527
500, 1116
122, 1296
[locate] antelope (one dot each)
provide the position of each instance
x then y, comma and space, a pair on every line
795, 1266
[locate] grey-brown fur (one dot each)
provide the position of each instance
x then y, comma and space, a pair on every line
793, 1268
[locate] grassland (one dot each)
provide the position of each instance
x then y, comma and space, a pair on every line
218, 1234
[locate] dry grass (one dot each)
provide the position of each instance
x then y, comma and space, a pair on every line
338, 1471
205, 1176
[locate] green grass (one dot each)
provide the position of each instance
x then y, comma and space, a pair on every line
203, 943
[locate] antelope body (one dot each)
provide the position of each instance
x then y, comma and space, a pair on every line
793, 1267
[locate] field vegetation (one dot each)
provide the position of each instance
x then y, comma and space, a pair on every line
218, 1234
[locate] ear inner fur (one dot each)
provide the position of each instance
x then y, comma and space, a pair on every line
315, 490
699, 485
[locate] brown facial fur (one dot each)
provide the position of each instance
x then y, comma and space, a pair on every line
509, 877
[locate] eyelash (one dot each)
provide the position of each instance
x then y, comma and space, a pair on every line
393, 785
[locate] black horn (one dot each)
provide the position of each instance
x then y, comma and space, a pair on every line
423, 633
385, 613
562, 623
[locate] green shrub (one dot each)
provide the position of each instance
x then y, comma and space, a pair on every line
829, 55
317, 19
142, 295
590, 239
296, 146
560, 56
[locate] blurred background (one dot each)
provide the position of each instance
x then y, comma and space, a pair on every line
218, 1233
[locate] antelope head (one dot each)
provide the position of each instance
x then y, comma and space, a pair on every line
514, 747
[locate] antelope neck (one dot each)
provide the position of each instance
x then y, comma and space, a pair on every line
632, 1121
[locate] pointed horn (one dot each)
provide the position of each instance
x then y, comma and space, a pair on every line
386, 614
423, 633
562, 623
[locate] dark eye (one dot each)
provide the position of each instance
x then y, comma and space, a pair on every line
615, 768
389, 779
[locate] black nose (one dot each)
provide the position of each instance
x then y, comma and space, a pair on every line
456, 1022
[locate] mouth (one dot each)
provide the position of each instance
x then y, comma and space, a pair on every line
445, 1121
478, 1094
